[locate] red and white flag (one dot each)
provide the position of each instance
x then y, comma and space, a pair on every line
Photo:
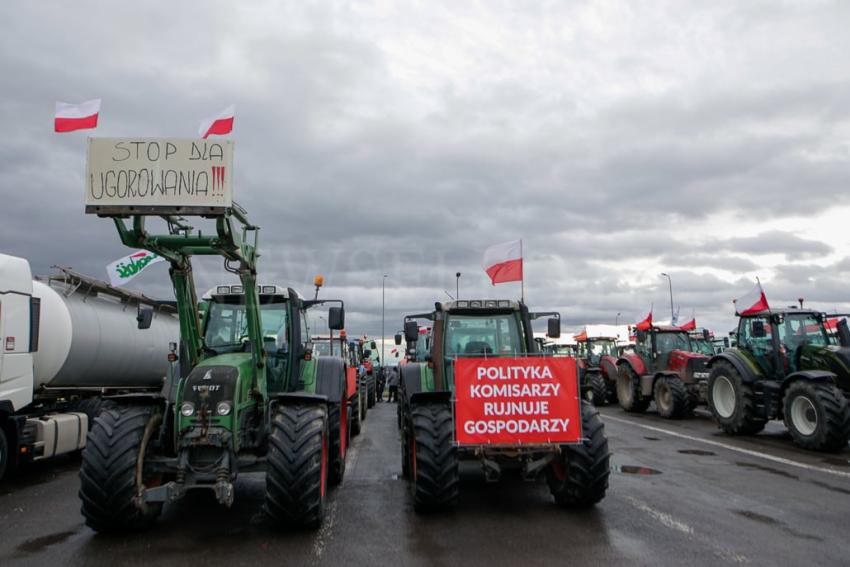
70, 117
754, 302
219, 125
646, 324
690, 325
503, 262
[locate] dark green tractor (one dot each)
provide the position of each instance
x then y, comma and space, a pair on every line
245, 394
577, 474
784, 367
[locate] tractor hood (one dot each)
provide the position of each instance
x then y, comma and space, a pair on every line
690, 363
835, 359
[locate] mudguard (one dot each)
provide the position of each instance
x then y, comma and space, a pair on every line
330, 378
411, 379
635, 362
811, 375
742, 366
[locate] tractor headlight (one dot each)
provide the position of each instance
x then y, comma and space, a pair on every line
187, 409
223, 408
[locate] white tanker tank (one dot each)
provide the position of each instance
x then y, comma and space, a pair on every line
91, 339
64, 341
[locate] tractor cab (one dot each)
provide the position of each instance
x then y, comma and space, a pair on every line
592, 349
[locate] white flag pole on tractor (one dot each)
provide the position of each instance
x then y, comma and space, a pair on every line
522, 275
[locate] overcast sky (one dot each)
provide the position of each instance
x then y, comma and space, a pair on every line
708, 140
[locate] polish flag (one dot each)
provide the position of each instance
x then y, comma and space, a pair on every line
503, 262
690, 325
70, 117
220, 124
646, 324
754, 302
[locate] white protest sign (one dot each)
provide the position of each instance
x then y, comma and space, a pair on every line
122, 270
158, 172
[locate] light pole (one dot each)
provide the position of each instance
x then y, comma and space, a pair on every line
670, 281
617, 319
383, 295
457, 285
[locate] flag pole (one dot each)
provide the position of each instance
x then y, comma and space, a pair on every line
522, 279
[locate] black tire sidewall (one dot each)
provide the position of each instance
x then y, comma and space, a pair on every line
4, 453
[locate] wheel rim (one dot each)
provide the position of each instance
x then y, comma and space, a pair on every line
803, 415
588, 395
723, 396
663, 397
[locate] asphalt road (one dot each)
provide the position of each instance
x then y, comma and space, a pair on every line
681, 493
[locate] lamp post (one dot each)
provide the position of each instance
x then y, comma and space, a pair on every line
383, 303
670, 282
457, 285
617, 319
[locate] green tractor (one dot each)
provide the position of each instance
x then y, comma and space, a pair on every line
245, 395
784, 367
577, 474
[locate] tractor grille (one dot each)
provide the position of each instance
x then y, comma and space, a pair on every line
697, 369
208, 385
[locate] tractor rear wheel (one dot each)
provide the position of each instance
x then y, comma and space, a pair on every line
338, 431
671, 397
297, 472
92, 407
609, 372
628, 390
578, 476
372, 395
433, 458
364, 398
356, 414
817, 415
405, 449
108, 483
597, 389
732, 402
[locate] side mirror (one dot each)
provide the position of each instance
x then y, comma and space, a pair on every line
144, 318
336, 318
706, 335
374, 345
843, 333
397, 339
411, 331
759, 330
554, 330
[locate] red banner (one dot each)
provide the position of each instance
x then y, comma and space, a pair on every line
517, 401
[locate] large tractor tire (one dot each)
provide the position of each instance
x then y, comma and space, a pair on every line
338, 426
817, 416
434, 476
578, 477
372, 392
671, 397
610, 375
297, 472
356, 410
628, 390
364, 398
732, 402
406, 429
108, 483
92, 407
596, 389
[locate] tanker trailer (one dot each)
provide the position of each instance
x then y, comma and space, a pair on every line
67, 342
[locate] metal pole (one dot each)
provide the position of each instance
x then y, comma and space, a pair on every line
457, 285
617, 319
522, 279
670, 281
383, 295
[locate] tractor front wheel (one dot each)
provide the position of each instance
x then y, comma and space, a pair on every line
433, 458
337, 423
578, 476
732, 401
356, 410
628, 390
297, 472
108, 483
597, 389
671, 397
817, 416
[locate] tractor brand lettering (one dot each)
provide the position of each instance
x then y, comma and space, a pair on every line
516, 401
515, 372
701, 375
207, 388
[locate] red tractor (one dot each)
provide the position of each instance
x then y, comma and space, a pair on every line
663, 367
596, 359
